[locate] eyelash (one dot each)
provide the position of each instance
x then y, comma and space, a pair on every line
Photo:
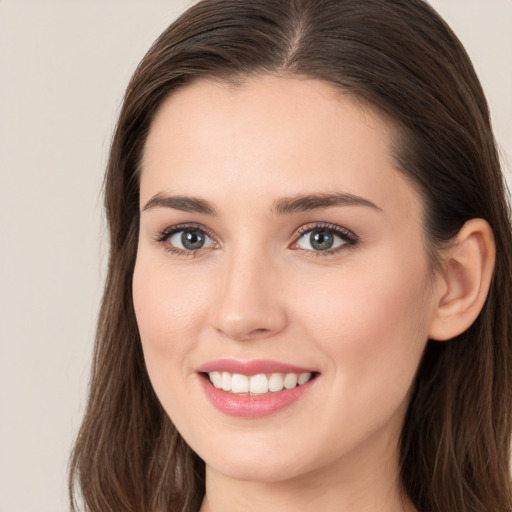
349, 238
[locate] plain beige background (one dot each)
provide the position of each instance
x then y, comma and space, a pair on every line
63, 69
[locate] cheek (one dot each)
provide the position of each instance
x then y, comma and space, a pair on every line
372, 323
167, 306
167, 310
372, 327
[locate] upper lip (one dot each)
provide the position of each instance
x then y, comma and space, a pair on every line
253, 367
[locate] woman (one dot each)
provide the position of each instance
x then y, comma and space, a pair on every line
309, 293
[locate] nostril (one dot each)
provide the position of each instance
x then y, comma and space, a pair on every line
241, 335
258, 331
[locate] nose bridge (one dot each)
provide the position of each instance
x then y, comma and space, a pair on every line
248, 304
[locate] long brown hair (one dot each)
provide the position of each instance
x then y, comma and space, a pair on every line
401, 58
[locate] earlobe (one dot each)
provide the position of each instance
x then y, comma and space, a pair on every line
463, 281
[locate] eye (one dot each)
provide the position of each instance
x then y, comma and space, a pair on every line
189, 240
185, 239
327, 239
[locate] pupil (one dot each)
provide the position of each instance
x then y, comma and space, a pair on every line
192, 240
321, 240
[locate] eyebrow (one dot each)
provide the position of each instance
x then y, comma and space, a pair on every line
183, 203
306, 203
283, 206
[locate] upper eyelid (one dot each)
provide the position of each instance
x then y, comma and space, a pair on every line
311, 226
183, 227
326, 225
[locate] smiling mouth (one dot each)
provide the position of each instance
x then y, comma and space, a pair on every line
260, 384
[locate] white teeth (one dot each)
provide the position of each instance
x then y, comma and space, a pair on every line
257, 384
216, 379
303, 378
275, 383
239, 383
226, 381
290, 380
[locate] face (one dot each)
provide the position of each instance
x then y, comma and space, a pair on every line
281, 287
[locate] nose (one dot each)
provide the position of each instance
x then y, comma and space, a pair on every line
249, 304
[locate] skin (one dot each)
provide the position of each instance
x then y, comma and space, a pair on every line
359, 316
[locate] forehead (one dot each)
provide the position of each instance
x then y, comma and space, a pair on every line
282, 112
271, 135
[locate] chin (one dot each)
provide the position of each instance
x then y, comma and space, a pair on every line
259, 470
261, 460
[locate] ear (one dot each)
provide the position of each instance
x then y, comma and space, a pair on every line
463, 281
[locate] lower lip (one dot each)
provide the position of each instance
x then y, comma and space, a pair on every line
253, 406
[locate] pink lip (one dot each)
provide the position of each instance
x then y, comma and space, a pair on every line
252, 406
249, 368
